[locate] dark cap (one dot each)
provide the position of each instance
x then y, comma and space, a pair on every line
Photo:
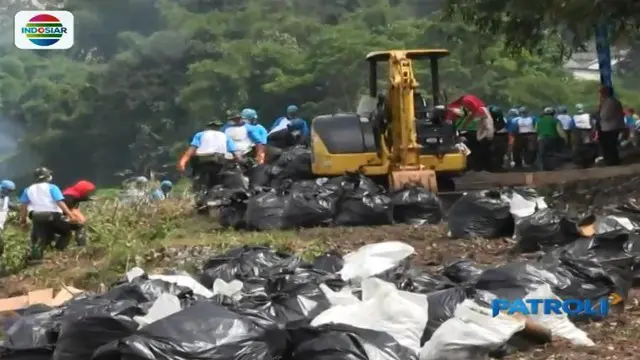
214, 123
233, 115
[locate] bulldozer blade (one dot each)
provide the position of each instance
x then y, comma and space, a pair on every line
398, 179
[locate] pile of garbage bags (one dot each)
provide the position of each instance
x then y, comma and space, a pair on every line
349, 200
372, 303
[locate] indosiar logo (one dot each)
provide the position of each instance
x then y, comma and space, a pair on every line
571, 307
49, 30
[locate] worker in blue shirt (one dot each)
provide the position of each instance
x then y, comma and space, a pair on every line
251, 116
44, 204
522, 131
247, 137
208, 152
162, 192
289, 130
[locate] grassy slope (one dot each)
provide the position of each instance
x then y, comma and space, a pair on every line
122, 237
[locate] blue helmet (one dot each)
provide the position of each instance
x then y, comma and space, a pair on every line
7, 185
249, 114
292, 109
166, 184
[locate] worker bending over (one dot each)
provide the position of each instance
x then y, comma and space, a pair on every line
163, 191
44, 204
248, 138
75, 195
551, 139
474, 122
522, 130
207, 154
289, 130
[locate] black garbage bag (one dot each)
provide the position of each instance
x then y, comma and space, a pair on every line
281, 139
442, 305
481, 214
587, 279
80, 338
38, 333
515, 280
231, 213
630, 209
360, 207
308, 207
353, 181
232, 216
545, 229
615, 220
232, 178
295, 164
243, 263
331, 262
8, 319
418, 280
569, 278
462, 271
203, 331
260, 176
311, 185
293, 298
344, 342
616, 249
144, 290
416, 206
265, 211
218, 196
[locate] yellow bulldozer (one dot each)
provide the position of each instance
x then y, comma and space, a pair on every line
395, 137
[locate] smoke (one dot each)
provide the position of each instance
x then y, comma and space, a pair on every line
15, 160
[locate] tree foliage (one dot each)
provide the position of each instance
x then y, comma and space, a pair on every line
145, 74
526, 24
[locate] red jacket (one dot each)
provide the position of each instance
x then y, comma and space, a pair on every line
80, 190
471, 103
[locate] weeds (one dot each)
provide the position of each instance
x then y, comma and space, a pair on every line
123, 236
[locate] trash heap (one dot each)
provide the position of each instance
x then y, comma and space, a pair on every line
284, 195
373, 303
